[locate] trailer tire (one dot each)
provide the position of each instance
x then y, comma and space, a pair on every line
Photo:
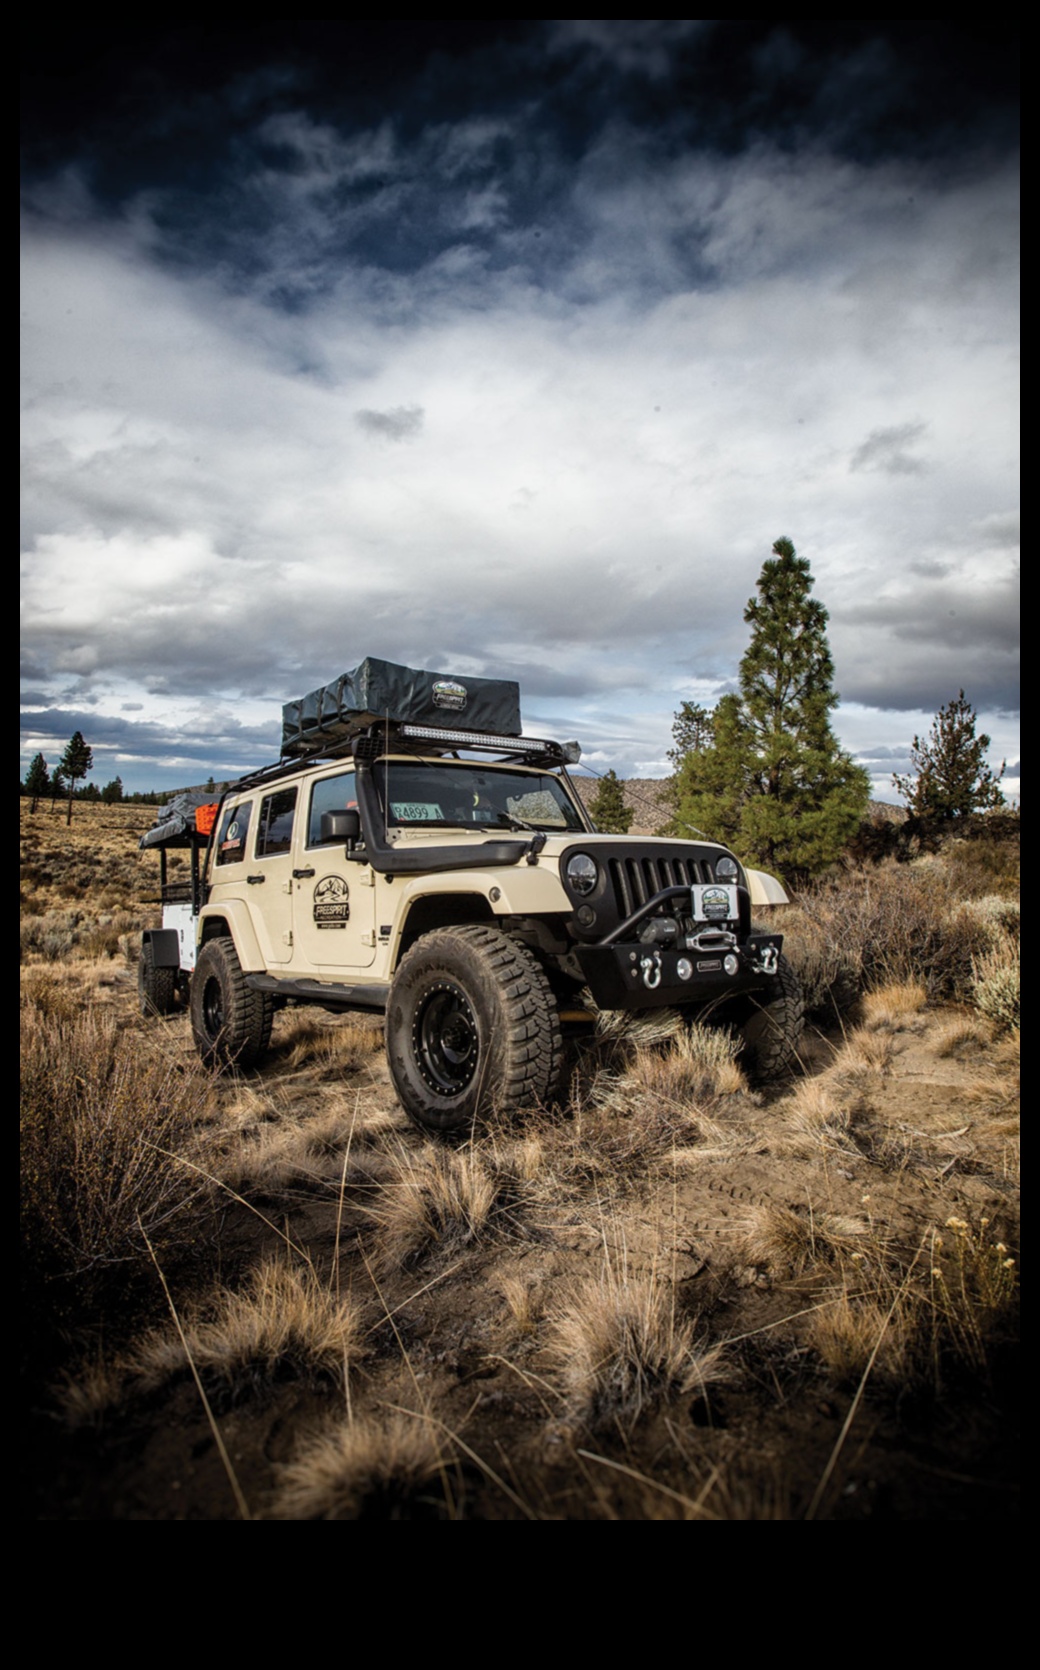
230, 1022
156, 987
471, 1027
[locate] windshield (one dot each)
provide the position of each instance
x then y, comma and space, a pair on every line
431, 794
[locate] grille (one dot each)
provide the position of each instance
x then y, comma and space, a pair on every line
635, 880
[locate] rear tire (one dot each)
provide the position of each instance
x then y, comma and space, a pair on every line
231, 1023
471, 1026
156, 987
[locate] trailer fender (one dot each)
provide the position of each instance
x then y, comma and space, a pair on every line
165, 944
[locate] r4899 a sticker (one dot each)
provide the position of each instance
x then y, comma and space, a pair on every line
331, 903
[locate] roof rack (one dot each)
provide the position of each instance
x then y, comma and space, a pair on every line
371, 742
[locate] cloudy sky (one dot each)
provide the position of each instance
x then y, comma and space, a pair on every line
511, 349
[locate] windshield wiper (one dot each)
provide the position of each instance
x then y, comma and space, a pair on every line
512, 822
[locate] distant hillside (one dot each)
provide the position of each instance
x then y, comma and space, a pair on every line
651, 807
647, 796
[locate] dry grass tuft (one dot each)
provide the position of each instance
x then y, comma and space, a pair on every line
974, 1289
847, 1333
699, 1065
864, 1056
393, 1469
285, 1154
995, 1097
786, 1243
330, 1045
103, 1119
960, 1037
523, 1300
658, 1103
434, 1203
954, 1302
894, 1008
619, 1350
283, 1325
86, 1396
812, 1119
631, 1030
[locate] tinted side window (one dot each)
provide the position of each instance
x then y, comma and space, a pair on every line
329, 794
234, 828
276, 820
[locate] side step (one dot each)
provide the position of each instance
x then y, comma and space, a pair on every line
314, 991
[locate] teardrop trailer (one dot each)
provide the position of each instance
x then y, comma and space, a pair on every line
412, 853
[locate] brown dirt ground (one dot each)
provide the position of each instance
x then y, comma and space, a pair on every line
780, 1437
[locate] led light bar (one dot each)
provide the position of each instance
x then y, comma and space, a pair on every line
570, 751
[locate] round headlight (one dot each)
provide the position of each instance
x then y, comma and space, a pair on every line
726, 869
582, 873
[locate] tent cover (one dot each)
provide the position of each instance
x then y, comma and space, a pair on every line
175, 823
383, 690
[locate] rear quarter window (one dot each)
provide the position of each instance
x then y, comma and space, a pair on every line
234, 832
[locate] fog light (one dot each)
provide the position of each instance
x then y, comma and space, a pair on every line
684, 968
586, 915
731, 963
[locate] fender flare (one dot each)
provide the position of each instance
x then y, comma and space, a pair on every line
235, 914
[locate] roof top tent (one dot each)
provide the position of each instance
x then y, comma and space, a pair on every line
185, 822
382, 692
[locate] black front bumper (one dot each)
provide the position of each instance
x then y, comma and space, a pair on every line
640, 976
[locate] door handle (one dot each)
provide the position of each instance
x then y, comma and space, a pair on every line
253, 880
298, 875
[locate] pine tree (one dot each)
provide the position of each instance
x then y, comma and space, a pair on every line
37, 781
951, 778
112, 793
607, 807
692, 729
774, 782
76, 761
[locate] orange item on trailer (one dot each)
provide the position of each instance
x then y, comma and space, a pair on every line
206, 817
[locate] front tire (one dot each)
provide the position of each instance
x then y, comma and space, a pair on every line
773, 1031
471, 1026
231, 1023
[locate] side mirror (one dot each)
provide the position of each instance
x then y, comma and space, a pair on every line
340, 826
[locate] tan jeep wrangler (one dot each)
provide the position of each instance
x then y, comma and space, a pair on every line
412, 853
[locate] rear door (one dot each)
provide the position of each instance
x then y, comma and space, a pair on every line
270, 877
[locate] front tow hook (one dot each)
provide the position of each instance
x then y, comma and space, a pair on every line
650, 963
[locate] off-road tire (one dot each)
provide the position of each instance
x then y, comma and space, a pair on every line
156, 987
231, 1023
471, 1028
772, 1031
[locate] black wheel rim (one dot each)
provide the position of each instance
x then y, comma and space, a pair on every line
213, 1008
446, 1041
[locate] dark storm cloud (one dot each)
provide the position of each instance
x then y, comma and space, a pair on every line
193, 96
889, 450
217, 738
400, 423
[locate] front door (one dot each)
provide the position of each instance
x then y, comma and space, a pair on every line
334, 910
